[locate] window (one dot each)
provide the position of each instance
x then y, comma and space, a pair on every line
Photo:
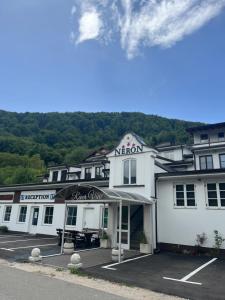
185, 195
222, 160
105, 217
204, 137
129, 171
63, 175
48, 215
23, 213
206, 162
71, 215
216, 194
55, 175
7, 216
87, 173
221, 136
98, 172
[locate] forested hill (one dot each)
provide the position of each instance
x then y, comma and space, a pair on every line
31, 141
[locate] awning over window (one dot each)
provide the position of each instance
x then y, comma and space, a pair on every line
91, 194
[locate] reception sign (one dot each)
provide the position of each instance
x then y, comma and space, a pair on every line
38, 196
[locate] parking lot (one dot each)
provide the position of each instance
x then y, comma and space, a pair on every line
190, 277
173, 274
18, 246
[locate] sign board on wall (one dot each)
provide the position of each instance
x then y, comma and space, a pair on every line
38, 196
6, 196
129, 145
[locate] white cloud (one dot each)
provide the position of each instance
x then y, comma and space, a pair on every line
89, 26
144, 22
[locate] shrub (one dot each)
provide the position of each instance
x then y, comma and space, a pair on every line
218, 240
143, 239
3, 229
104, 236
201, 239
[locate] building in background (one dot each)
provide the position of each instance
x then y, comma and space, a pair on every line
171, 193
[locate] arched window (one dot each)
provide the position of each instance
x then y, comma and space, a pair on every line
129, 171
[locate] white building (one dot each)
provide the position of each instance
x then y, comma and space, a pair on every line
171, 193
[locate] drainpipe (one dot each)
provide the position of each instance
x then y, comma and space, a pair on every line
120, 228
156, 219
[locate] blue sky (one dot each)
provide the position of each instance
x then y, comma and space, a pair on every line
51, 60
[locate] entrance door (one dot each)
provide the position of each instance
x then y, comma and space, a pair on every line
125, 230
34, 220
89, 220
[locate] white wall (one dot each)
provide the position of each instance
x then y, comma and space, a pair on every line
181, 225
58, 217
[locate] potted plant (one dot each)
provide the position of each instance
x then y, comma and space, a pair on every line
104, 240
145, 247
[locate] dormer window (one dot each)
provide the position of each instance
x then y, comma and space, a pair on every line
129, 171
221, 136
98, 172
204, 137
206, 162
55, 175
87, 173
63, 175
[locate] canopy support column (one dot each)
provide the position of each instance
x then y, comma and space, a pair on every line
120, 229
64, 225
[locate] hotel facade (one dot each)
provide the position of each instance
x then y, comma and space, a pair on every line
172, 193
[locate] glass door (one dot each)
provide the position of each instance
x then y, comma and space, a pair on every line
34, 220
125, 228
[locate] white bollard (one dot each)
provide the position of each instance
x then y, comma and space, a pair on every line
68, 248
75, 262
35, 255
115, 255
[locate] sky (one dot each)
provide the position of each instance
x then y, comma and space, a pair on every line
161, 57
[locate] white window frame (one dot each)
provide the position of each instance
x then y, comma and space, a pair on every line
18, 220
5, 221
185, 195
218, 196
68, 206
102, 222
129, 177
44, 215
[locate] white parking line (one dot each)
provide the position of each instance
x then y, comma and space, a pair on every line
10, 235
27, 247
185, 278
14, 241
109, 267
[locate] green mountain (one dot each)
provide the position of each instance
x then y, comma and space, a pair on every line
31, 141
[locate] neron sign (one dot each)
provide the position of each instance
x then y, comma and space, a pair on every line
80, 193
38, 196
129, 149
89, 195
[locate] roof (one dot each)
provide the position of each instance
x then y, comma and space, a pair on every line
85, 193
190, 173
205, 127
52, 185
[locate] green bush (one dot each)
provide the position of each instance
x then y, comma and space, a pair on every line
143, 239
3, 229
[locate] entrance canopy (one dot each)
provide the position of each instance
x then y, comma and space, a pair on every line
91, 194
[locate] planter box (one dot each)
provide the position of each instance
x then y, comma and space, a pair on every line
104, 243
145, 248
115, 255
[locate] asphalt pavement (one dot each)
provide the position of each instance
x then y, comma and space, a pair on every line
19, 285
